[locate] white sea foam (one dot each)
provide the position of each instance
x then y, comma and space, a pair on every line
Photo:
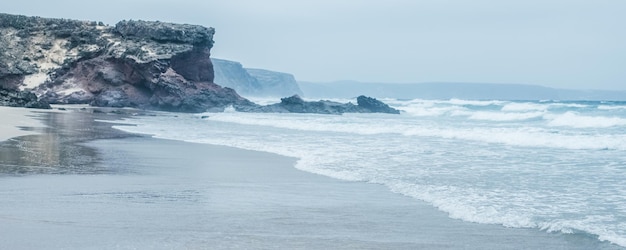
575, 120
569, 105
525, 106
418, 110
505, 116
474, 102
483, 164
610, 107
264, 100
319, 123
515, 136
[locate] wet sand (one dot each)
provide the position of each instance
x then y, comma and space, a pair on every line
13, 118
80, 184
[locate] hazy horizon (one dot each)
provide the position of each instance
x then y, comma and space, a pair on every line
558, 44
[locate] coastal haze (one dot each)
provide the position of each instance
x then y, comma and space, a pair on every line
558, 44
498, 125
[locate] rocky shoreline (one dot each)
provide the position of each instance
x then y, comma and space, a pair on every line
139, 64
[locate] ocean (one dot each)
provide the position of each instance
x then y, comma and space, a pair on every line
553, 166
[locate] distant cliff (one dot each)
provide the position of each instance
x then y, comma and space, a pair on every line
254, 82
275, 83
152, 65
232, 75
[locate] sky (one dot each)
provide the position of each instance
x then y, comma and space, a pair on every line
574, 44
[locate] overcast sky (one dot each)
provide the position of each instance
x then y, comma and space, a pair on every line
560, 43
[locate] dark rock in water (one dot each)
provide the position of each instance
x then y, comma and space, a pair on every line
374, 105
151, 65
295, 104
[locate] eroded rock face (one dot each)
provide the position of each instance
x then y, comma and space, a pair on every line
142, 64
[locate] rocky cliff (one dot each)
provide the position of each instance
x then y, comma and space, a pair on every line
150, 65
141, 64
254, 82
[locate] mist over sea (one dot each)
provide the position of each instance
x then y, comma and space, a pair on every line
553, 166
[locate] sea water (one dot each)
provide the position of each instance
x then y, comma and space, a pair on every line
554, 166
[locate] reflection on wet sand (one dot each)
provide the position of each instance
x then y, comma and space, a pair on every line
57, 149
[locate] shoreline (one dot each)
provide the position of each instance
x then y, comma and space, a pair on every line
53, 145
13, 118
115, 189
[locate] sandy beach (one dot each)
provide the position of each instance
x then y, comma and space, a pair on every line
79, 184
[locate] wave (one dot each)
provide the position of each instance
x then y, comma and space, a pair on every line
455, 102
473, 102
525, 106
571, 105
575, 120
609, 107
505, 116
425, 111
451, 201
334, 151
526, 136
308, 122
424, 108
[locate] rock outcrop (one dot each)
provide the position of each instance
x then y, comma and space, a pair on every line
374, 106
152, 65
19, 98
295, 104
254, 82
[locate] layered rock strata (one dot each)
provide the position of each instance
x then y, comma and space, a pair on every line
152, 65
149, 65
